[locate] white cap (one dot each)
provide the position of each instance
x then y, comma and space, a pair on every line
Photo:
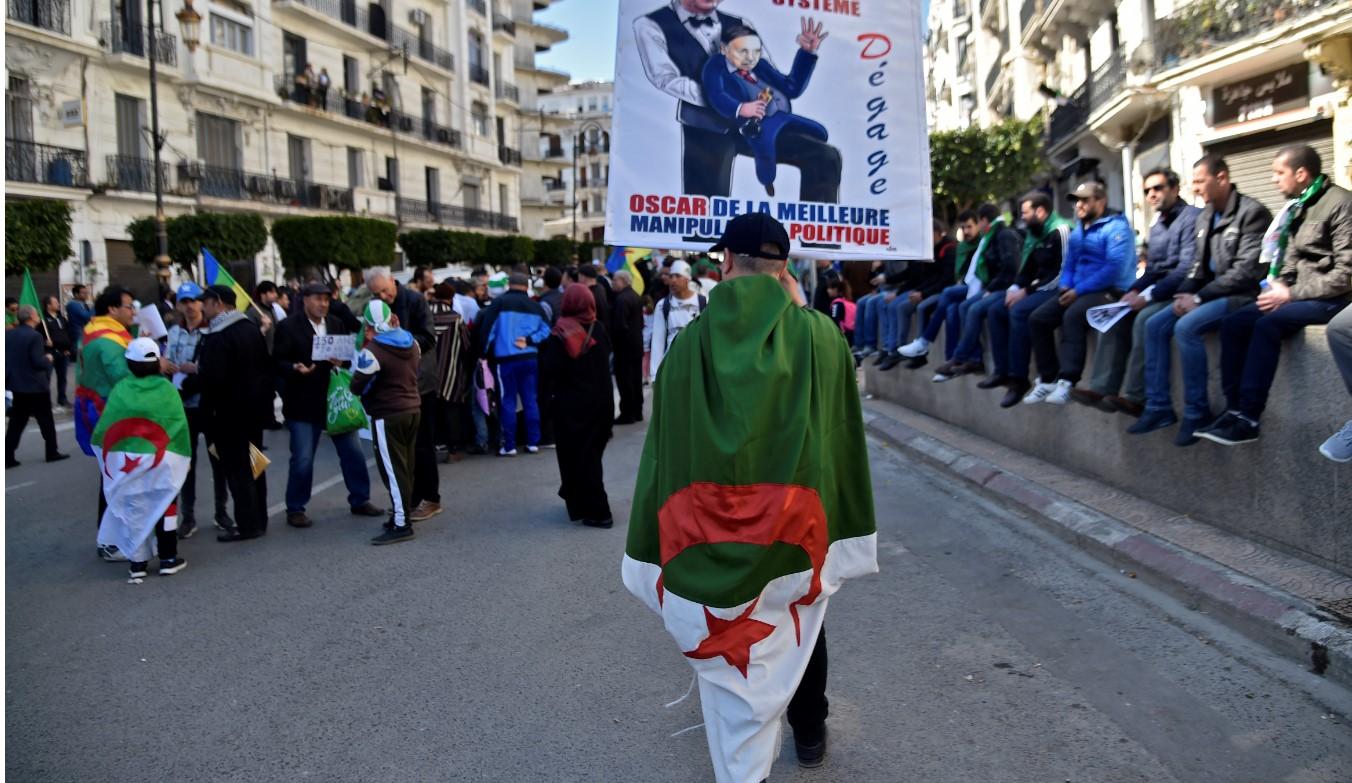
681, 268
142, 349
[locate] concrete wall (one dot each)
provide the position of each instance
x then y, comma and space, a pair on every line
1279, 490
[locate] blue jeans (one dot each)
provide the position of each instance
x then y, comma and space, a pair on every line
947, 313
866, 320
897, 321
973, 318
1187, 334
519, 379
1251, 344
1011, 342
300, 477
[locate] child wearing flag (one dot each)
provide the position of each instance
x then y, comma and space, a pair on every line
142, 447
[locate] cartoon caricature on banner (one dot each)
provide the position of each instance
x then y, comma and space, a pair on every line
810, 110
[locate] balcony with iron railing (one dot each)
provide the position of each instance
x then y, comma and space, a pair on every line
509, 156
129, 172
372, 112
44, 164
239, 185
117, 38
1107, 81
359, 18
507, 92
50, 15
478, 74
504, 24
1068, 119
450, 215
1204, 26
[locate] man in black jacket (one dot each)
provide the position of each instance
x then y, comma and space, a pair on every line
627, 342
234, 375
1039, 272
305, 406
59, 344
590, 276
26, 368
1001, 258
920, 282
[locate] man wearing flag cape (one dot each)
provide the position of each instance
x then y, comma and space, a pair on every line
753, 503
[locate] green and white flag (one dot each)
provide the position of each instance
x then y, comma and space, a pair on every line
752, 506
142, 446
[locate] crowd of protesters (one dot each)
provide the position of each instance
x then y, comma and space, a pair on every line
505, 363
1230, 267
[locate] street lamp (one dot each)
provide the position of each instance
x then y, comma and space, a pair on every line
577, 142
190, 25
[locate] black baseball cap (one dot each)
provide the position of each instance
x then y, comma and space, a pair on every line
747, 235
223, 293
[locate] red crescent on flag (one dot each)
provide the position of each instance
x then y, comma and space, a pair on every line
136, 428
760, 514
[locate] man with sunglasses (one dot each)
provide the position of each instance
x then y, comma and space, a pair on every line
1119, 364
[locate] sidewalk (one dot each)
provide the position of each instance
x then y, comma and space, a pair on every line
1274, 598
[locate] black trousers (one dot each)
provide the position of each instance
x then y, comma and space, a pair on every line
808, 707
250, 494
36, 405
629, 381
426, 479
706, 163
60, 362
581, 480
187, 497
1042, 325
166, 543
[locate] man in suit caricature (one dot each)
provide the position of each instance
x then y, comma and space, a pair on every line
743, 87
675, 43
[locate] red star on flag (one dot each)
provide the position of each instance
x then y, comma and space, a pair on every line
131, 463
732, 639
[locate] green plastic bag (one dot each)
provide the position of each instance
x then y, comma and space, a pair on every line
345, 413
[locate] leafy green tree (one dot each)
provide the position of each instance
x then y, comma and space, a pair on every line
974, 165
315, 243
554, 252
508, 251
37, 235
230, 236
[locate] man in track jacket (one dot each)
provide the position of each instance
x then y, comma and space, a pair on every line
510, 329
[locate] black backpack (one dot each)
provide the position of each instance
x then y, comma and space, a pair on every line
666, 307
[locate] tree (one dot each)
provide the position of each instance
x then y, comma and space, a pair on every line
37, 235
508, 251
974, 165
438, 247
230, 236
554, 252
345, 242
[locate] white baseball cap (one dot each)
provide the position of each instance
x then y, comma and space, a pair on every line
143, 349
681, 268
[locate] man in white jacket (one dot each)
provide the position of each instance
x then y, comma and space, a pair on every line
673, 313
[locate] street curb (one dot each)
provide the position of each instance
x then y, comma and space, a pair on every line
1287, 624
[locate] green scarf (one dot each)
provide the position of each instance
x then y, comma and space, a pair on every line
1032, 240
965, 250
980, 252
1297, 209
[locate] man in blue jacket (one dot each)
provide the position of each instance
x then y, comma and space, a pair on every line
511, 328
1099, 266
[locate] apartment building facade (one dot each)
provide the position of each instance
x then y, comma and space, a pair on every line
406, 110
584, 145
1127, 85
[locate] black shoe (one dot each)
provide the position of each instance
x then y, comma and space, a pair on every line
1231, 429
1018, 387
1187, 431
298, 519
12, 463
605, 523
882, 357
367, 510
223, 522
892, 359
172, 566
57, 456
477, 451
233, 535
622, 420
917, 362
811, 754
1151, 421
993, 381
187, 526
393, 535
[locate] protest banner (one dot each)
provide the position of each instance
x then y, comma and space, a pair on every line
337, 347
810, 110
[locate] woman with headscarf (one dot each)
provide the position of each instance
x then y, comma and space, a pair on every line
575, 367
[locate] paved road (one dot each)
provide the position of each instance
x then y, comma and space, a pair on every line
500, 645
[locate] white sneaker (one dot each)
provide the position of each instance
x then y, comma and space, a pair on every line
917, 347
1060, 393
506, 452
1339, 445
1039, 393
532, 449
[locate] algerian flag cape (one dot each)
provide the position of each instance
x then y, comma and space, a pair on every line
753, 504
142, 446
